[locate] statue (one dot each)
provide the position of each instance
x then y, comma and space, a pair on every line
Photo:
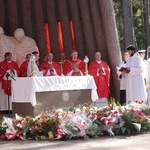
23, 45
6, 45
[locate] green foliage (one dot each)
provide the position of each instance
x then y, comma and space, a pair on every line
138, 23
134, 123
139, 27
147, 111
80, 122
43, 128
2, 129
112, 102
119, 22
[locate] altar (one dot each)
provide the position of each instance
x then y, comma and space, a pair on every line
31, 95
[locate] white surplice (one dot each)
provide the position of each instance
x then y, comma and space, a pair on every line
124, 76
136, 89
148, 79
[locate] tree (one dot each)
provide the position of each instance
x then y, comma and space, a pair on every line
128, 22
112, 40
139, 11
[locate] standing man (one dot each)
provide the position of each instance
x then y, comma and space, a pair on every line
62, 57
74, 66
142, 55
148, 79
62, 61
136, 89
24, 66
122, 77
38, 73
12, 71
101, 73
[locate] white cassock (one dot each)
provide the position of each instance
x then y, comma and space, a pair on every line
145, 69
124, 76
148, 79
136, 89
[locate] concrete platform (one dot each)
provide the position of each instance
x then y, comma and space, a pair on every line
138, 142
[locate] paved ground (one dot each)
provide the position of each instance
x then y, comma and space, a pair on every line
138, 142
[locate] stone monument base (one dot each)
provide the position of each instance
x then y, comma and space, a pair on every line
53, 100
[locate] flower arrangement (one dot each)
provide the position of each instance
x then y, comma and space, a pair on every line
79, 122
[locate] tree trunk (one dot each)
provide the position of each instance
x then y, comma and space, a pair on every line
146, 22
128, 22
112, 41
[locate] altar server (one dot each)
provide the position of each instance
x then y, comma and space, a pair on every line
136, 89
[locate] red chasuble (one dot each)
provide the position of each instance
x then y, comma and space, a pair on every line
23, 69
6, 85
101, 78
69, 63
46, 66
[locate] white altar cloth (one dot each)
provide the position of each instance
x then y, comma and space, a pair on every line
25, 88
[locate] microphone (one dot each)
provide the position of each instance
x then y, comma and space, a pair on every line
7, 74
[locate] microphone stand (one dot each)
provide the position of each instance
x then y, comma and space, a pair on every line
7, 76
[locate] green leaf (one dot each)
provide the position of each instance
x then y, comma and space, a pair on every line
137, 126
129, 131
117, 130
123, 129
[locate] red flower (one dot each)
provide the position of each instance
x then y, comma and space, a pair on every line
2, 136
110, 113
105, 120
141, 102
140, 117
94, 116
99, 116
116, 112
27, 118
132, 110
100, 112
13, 121
140, 113
120, 111
86, 111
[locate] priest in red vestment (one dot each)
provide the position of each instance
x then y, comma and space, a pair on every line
101, 73
74, 66
24, 66
12, 71
50, 67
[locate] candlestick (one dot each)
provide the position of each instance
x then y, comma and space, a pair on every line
86, 60
32, 59
61, 67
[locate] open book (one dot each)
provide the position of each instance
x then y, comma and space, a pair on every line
122, 69
127, 70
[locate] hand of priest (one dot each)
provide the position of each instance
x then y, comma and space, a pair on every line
127, 70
